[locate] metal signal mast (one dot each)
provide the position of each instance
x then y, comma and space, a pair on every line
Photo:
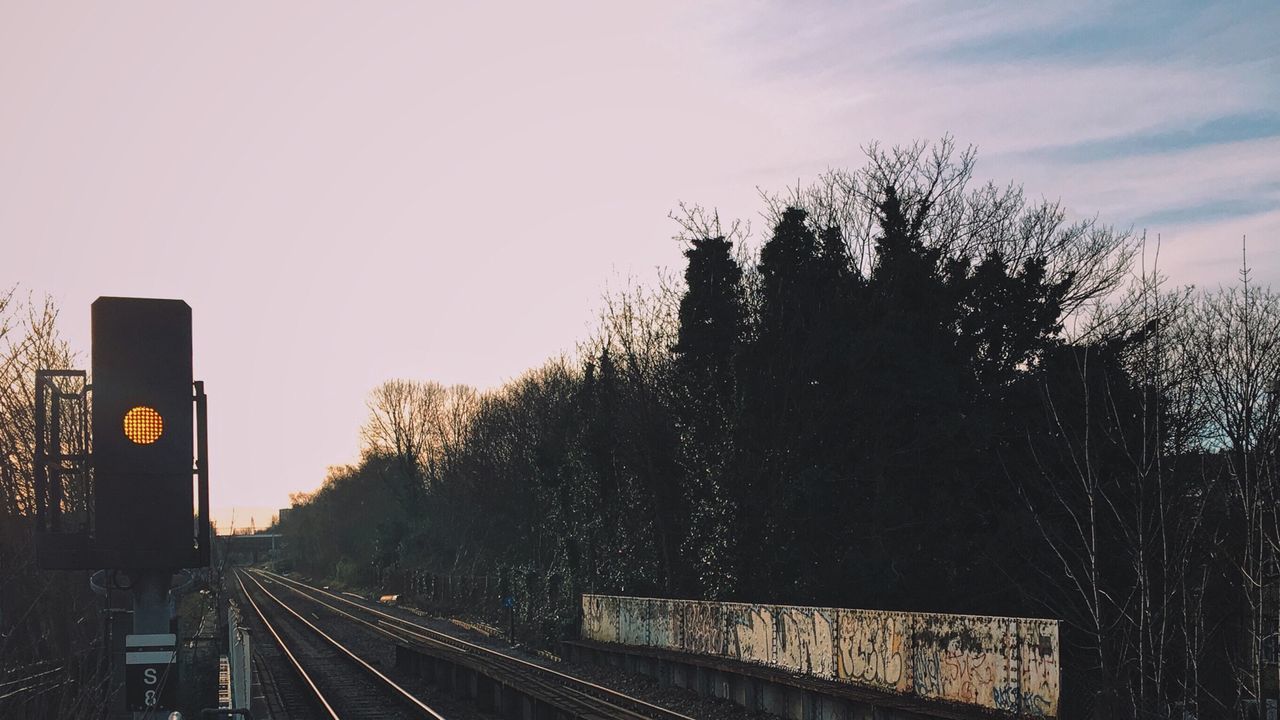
114, 467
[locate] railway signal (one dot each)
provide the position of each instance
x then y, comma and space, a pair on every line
124, 500
113, 478
143, 440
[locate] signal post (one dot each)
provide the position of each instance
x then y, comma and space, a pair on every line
137, 512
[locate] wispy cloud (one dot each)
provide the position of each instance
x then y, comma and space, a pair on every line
1102, 32
1220, 130
1211, 211
1162, 115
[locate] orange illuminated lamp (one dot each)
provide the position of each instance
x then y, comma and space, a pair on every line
143, 425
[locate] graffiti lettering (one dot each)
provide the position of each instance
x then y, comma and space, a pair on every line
1004, 664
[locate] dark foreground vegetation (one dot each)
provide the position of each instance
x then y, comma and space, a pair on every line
917, 394
51, 662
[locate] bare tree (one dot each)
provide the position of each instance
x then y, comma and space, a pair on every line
1233, 337
1128, 526
461, 402
47, 622
637, 330
29, 341
404, 422
423, 425
966, 222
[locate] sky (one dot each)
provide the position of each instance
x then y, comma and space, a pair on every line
347, 193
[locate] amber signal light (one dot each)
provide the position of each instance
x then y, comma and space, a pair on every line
143, 425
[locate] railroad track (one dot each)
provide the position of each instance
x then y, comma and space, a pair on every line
580, 698
342, 685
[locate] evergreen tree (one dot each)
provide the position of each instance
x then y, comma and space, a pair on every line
796, 398
1008, 320
712, 323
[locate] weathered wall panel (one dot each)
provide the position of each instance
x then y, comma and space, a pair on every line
633, 620
600, 618
1006, 664
704, 628
873, 648
662, 626
749, 630
1038, 678
806, 640
963, 659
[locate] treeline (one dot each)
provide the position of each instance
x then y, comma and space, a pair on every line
916, 394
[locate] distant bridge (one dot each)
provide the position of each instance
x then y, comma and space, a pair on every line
253, 548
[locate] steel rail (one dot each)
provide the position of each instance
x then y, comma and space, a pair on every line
565, 688
589, 690
30, 691
404, 694
29, 678
277, 704
297, 665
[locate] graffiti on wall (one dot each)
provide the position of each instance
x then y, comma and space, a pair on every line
871, 648
749, 634
633, 620
806, 640
599, 618
703, 628
1004, 664
1039, 674
663, 626
962, 659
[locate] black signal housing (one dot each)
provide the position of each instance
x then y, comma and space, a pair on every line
144, 498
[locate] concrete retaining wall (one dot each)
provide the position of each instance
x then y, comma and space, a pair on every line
1004, 664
